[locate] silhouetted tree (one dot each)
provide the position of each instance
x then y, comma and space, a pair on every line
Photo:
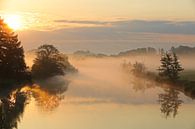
48, 63
12, 64
138, 69
176, 67
170, 67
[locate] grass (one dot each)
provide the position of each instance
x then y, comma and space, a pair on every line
185, 84
188, 82
188, 75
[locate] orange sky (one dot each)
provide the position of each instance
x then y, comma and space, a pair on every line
46, 10
100, 20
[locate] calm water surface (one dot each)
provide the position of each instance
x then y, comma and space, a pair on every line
101, 96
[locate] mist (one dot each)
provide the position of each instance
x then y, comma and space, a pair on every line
102, 80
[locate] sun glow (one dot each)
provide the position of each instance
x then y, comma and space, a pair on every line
13, 21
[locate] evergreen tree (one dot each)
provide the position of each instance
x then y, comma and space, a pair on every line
12, 64
165, 69
176, 67
170, 67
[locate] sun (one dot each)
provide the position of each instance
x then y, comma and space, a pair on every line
13, 21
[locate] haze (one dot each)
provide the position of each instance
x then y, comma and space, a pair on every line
74, 24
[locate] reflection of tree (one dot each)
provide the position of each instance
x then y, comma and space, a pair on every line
170, 102
11, 109
48, 96
46, 100
141, 84
49, 93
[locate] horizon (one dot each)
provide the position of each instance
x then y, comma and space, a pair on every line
123, 23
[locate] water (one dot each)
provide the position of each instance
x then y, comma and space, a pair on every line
101, 96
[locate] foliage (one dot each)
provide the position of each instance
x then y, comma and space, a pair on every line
139, 69
184, 50
12, 64
49, 62
69, 67
139, 51
170, 67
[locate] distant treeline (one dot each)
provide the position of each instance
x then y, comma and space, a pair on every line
181, 50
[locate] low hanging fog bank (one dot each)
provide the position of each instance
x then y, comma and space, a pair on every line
102, 79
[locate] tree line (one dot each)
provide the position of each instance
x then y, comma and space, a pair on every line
13, 69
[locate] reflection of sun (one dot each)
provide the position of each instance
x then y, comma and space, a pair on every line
13, 21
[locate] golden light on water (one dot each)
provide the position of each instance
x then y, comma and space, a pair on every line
14, 21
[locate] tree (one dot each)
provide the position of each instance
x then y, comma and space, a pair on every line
48, 63
12, 64
138, 69
176, 67
170, 66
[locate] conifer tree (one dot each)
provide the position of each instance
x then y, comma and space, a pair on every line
170, 66
165, 69
176, 67
12, 64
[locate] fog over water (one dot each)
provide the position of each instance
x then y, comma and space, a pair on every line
104, 79
97, 64
103, 95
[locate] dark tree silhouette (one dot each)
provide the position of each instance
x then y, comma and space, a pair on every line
12, 64
176, 67
138, 69
170, 67
48, 63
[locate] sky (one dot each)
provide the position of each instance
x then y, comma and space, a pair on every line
103, 9
99, 21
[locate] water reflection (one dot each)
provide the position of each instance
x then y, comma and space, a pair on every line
47, 94
12, 108
141, 84
170, 102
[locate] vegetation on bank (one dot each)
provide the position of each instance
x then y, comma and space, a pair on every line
170, 72
170, 68
13, 69
170, 76
49, 63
